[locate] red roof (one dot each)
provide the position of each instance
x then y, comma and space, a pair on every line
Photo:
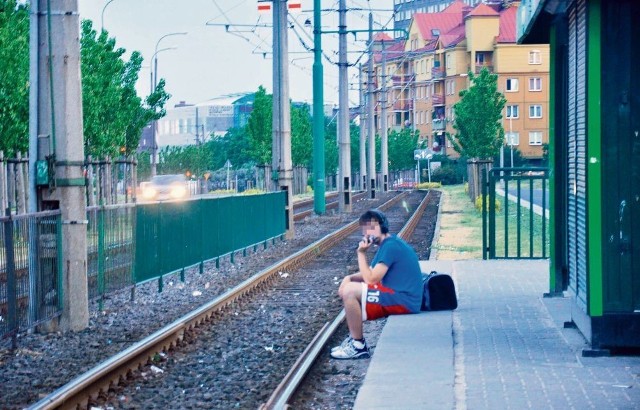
482, 10
379, 36
453, 37
395, 50
443, 22
457, 7
508, 25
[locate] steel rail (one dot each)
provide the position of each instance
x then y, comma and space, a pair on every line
79, 391
282, 394
331, 205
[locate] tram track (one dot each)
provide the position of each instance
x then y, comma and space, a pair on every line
97, 381
287, 388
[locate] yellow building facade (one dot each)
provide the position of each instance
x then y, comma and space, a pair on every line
426, 72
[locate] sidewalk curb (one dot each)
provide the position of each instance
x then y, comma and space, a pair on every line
433, 253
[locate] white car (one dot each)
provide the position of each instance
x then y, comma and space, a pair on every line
165, 187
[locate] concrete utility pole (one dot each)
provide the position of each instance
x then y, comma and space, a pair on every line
363, 136
319, 184
281, 148
384, 137
60, 118
371, 117
344, 137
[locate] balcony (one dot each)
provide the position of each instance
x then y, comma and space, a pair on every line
438, 124
437, 99
401, 80
479, 68
403, 105
437, 73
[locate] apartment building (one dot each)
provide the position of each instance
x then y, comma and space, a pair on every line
403, 10
424, 73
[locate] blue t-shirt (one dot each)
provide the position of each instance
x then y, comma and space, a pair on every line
404, 275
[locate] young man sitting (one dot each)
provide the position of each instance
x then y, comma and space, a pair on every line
390, 285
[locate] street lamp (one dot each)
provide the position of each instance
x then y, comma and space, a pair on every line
155, 53
102, 14
154, 82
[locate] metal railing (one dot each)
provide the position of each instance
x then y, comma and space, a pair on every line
514, 226
30, 270
110, 248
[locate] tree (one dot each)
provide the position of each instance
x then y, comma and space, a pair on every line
301, 136
113, 114
478, 117
259, 127
401, 147
330, 147
14, 80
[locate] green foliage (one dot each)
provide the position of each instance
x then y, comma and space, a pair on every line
447, 175
113, 114
259, 127
14, 77
478, 117
478, 203
330, 147
253, 191
301, 136
518, 159
429, 185
400, 149
190, 159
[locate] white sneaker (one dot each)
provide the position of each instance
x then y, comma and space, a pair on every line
345, 342
350, 351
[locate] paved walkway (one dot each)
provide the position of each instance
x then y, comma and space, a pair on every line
505, 347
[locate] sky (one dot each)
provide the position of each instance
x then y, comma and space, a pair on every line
210, 61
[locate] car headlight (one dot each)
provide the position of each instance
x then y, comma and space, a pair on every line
149, 193
178, 192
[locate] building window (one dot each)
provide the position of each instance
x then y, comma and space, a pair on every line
512, 138
479, 58
535, 84
512, 85
535, 111
535, 137
512, 111
534, 57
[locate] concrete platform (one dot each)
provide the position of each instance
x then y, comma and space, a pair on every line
503, 348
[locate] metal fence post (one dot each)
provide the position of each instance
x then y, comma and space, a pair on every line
484, 214
11, 279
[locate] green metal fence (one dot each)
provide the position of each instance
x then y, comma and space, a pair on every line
514, 213
126, 244
110, 248
171, 236
30, 270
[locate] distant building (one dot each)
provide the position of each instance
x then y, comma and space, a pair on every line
426, 71
188, 124
403, 11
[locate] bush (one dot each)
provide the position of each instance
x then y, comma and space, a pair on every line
429, 185
447, 175
253, 191
478, 203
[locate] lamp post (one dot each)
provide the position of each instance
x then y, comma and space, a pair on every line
429, 158
102, 14
154, 73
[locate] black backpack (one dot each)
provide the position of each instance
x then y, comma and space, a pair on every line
439, 292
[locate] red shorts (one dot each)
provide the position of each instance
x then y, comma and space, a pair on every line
379, 301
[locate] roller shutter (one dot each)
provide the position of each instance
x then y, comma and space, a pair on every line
576, 158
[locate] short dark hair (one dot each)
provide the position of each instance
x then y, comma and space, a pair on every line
375, 215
